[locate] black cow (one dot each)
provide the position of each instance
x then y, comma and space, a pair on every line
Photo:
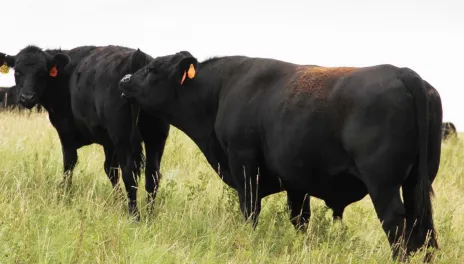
9, 99
267, 125
448, 131
79, 89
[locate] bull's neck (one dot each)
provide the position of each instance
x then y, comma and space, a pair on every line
196, 109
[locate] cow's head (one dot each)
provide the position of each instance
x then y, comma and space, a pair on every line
154, 87
34, 68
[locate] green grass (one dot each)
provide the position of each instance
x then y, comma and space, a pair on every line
197, 218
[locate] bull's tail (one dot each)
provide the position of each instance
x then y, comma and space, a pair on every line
435, 131
422, 186
136, 141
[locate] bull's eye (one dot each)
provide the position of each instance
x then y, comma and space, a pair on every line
40, 74
149, 70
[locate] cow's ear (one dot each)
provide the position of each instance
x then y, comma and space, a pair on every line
60, 61
6, 62
187, 68
10, 60
138, 60
57, 63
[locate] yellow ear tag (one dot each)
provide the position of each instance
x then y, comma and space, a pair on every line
183, 78
191, 71
4, 69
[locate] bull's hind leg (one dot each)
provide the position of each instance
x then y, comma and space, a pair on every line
245, 171
391, 212
383, 182
300, 212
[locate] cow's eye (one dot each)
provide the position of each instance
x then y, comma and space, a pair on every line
149, 70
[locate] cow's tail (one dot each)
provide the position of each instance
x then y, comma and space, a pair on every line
136, 140
422, 186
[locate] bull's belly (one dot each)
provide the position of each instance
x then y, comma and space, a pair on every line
335, 183
311, 165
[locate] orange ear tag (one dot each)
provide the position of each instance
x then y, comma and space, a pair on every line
4, 69
53, 71
183, 78
191, 71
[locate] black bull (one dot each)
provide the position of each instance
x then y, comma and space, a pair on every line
333, 133
79, 89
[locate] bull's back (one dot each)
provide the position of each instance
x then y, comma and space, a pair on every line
323, 108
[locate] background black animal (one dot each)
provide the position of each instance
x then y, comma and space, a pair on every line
267, 125
9, 99
79, 89
449, 131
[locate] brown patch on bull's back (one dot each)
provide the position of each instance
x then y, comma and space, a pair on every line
318, 80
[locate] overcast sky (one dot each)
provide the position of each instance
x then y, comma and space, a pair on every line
427, 36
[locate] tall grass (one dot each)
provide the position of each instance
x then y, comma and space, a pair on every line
197, 218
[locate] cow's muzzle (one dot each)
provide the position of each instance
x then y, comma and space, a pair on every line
28, 100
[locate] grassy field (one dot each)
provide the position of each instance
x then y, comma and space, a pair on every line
197, 218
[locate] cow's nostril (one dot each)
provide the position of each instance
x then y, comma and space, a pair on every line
26, 97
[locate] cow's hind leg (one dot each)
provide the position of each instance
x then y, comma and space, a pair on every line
129, 175
111, 167
300, 212
154, 134
245, 171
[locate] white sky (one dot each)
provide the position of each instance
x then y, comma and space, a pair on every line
425, 35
